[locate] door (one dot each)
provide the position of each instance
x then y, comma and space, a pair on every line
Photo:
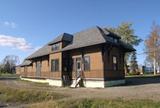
38, 69
78, 67
25, 71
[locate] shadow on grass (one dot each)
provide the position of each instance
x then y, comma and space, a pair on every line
15, 78
9, 77
141, 80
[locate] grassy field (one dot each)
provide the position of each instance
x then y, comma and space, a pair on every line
23, 96
44, 99
8, 75
97, 103
18, 94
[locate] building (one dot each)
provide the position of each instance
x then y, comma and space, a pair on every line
94, 56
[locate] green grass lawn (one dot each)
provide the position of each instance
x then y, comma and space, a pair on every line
8, 75
20, 95
37, 98
97, 103
143, 75
44, 99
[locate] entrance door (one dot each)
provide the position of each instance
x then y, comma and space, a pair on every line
38, 69
78, 67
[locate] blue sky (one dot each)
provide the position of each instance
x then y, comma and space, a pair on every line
26, 25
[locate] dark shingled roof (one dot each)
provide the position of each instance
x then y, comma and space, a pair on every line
85, 38
107, 32
94, 36
45, 50
89, 37
25, 63
128, 47
62, 37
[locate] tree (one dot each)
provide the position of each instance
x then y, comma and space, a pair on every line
152, 44
127, 34
1, 68
9, 63
133, 64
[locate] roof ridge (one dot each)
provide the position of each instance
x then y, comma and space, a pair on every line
115, 35
101, 30
90, 28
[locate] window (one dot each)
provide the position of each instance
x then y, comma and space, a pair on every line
115, 40
86, 63
55, 47
114, 63
112, 39
55, 65
78, 64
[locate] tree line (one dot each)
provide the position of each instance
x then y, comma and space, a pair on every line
8, 64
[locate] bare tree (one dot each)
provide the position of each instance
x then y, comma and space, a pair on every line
9, 63
153, 46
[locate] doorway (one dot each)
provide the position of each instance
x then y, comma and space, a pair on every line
78, 67
38, 69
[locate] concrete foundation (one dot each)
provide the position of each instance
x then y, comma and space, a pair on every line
87, 83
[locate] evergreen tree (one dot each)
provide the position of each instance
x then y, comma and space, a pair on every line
133, 64
127, 34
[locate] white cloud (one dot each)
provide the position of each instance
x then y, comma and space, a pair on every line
37, 48
9, 24
15, 42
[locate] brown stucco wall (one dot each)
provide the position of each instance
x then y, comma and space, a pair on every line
18, 70
29, 71
55, 75
101, 65
96, 63
109, 73
45, 61
45, 68
56, 55
22, 71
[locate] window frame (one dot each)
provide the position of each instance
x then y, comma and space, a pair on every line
55, 47
55, 65
115, 63
87, 68
112, 39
